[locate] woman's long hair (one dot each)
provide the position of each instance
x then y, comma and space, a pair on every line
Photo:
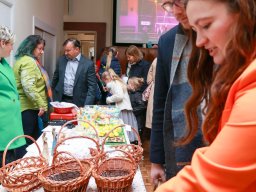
109, 59
213, 84
28, 46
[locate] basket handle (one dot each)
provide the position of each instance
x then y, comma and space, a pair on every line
138, 136
14, 139
74, 137
111, 151
107, 135
76, 120
77, 160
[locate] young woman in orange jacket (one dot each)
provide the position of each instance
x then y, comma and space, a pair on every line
226, 32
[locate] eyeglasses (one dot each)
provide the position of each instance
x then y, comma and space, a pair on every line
168, 5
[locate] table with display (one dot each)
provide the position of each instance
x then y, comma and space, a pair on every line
137, 185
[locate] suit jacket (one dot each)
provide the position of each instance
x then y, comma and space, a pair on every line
85, 82
162, 79
229, 163
169, 98
10, 113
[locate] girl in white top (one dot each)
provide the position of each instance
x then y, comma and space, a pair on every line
120, 97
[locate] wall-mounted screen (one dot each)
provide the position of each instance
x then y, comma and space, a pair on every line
140, 21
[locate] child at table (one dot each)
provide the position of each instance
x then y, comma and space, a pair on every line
118, 89
139, 106
134, 85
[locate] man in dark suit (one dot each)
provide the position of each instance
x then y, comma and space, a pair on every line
74, 79
170, 95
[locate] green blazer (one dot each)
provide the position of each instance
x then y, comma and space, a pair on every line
30, 84
10, 114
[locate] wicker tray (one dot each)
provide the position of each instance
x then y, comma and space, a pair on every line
135, 150
66, 175
21, 175
114, 174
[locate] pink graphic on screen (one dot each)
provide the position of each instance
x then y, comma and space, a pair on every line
142, 21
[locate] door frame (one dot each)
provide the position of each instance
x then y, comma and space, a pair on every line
38, 23
100, 29
77, 35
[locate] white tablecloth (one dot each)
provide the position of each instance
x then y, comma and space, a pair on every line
137, 185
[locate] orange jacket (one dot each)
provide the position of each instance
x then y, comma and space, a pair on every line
229, 163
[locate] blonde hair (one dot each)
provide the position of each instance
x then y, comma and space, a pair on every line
137, 82
106, 76
6, 35
109, 59
111, 75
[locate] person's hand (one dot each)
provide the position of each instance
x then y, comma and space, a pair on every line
74, 112
105, 89
107, 101
130, 87
157, 174
124, 78
41, 112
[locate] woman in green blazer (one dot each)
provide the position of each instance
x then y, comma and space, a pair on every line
10, 116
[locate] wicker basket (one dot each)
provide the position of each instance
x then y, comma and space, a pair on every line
21, 175
70, 175
135, 150
94, 152
114, 174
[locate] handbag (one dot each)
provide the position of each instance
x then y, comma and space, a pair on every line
146, 92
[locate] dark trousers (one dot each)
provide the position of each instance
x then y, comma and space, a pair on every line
43, 122
30, 127
30, 124
141, 119
68, 99
103, 98
12, 155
